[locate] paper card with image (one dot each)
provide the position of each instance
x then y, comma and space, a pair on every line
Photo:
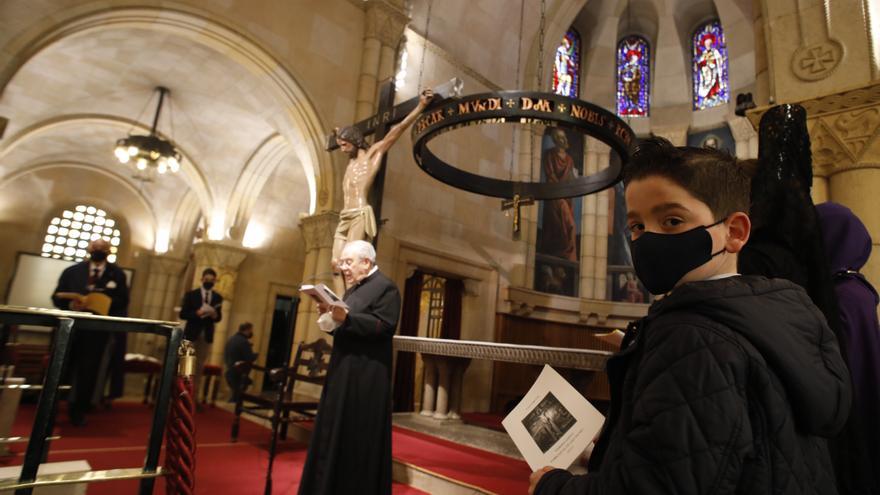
553, 423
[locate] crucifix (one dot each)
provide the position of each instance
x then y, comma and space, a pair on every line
515, 204
363, 182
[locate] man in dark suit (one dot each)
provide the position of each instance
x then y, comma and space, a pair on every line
201, 310
88, 347
350, 449
238, 348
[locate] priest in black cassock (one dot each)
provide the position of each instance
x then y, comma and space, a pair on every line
350, 450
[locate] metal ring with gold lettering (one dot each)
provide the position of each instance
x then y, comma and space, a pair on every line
522, 107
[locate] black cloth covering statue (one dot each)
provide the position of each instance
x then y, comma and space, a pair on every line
350, 449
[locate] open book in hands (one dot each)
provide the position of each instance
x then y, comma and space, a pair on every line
322, 294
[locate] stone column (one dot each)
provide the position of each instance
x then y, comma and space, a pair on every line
317, 232
528, 166
441, 406
746, 137
385, 21
162, 295
429, 392
459, 366
589, 226
225, 260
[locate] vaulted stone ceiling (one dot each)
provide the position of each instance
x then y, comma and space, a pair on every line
73, 100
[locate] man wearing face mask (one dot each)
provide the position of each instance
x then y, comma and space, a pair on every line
88, 348
350, 449
731, 384
200, 309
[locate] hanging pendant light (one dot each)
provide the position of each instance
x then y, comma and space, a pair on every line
149, 154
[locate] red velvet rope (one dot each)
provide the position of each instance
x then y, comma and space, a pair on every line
180, 450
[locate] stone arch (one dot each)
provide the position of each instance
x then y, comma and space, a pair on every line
143, 237
303, 129
259, 167
190, 171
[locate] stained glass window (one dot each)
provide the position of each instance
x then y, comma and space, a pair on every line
68, 234
567, 65
710, 66
633, 79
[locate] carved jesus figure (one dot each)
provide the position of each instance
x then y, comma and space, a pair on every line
356, 220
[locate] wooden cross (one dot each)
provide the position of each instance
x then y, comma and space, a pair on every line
515, 204
388, 114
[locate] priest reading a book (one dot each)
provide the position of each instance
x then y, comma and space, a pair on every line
350, 450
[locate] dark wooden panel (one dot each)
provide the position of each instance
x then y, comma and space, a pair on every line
511, 381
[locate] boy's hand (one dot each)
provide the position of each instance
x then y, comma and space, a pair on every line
323, 307
536, 477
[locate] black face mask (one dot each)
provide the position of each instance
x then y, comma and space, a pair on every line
208, 285
661, 260
99, 256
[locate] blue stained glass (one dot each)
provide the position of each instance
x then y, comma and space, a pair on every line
633, 77
567, 65
710, 66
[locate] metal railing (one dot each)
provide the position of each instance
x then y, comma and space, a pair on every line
66, 323
580, 359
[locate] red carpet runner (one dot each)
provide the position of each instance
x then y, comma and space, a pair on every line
116, 438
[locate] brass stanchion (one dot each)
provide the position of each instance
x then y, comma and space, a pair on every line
180, 450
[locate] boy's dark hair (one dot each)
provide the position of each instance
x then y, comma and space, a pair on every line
712, 176
244, 326
209, 271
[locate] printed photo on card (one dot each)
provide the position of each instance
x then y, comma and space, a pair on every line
553, 424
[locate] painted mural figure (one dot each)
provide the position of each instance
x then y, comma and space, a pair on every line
560, 230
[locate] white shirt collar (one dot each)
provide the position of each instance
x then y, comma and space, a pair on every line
723, 275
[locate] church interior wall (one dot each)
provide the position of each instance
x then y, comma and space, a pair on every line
235, 179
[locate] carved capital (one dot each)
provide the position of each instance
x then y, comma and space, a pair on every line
741, 129
166, 265
224, 259
845, 140
385, 21
843, 129
318, 229
675, 135
471, 287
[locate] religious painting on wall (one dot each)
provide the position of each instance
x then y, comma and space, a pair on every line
710, 66
557, 257
622, 285
718, 138
567, 64
633, 77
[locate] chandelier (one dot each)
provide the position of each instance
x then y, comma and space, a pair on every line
149, 153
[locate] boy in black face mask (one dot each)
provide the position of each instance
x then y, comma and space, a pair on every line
201, 310
732, 383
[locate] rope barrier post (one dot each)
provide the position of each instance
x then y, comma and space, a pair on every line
180, 450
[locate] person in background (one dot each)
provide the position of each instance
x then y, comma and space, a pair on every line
201, 308
88, 348
848, 245
238, 348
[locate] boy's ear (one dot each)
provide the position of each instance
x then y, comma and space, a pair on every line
739, 227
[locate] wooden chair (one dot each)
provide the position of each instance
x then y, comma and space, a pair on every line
279, 407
